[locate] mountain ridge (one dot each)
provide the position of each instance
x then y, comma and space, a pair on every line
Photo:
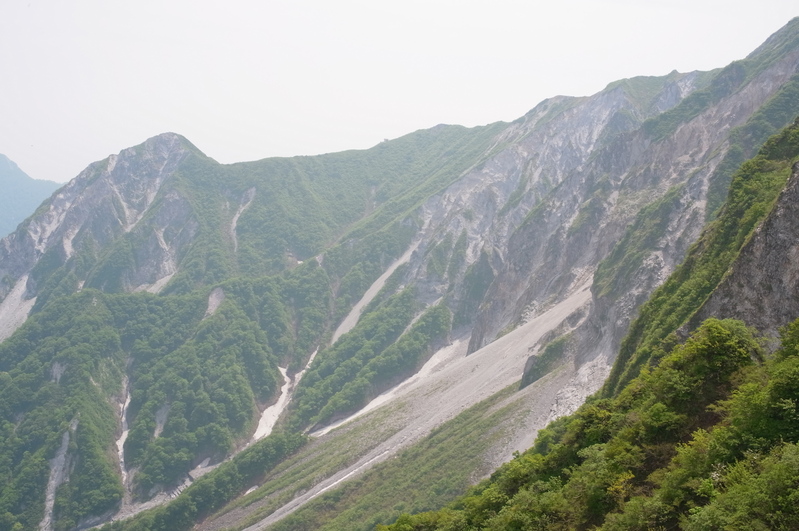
570, 216
661, 446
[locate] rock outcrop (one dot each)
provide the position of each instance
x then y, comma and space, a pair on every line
762, 287
107, 200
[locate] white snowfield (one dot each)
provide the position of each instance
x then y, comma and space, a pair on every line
14, 309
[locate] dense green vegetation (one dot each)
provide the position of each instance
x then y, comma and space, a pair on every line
59, 372
706, 440
65, 366
205, 390
194, 383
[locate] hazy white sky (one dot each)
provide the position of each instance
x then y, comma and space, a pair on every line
244, 80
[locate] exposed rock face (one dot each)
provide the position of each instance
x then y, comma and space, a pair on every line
106, 200
59, 473
762, 287
519, 204
561, 189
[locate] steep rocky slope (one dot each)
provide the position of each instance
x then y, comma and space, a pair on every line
703, 433
105, 201
761, 287
502, 239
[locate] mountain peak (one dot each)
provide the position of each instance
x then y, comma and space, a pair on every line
8, 167
167, 139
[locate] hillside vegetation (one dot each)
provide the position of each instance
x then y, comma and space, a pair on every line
196, 379
705, 440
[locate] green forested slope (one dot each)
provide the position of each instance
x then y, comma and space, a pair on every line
204, 375
197, 381
78, 340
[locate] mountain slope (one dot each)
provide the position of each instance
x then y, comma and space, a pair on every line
292, 296
21, 195
703, 435
189, 372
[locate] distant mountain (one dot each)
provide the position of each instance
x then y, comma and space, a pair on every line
172, 327
19, 195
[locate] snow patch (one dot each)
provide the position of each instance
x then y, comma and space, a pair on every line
14, 309
160, 419
246, 200
214, 301
299, 375
272, 413
59, 473
355, 314
123, 420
